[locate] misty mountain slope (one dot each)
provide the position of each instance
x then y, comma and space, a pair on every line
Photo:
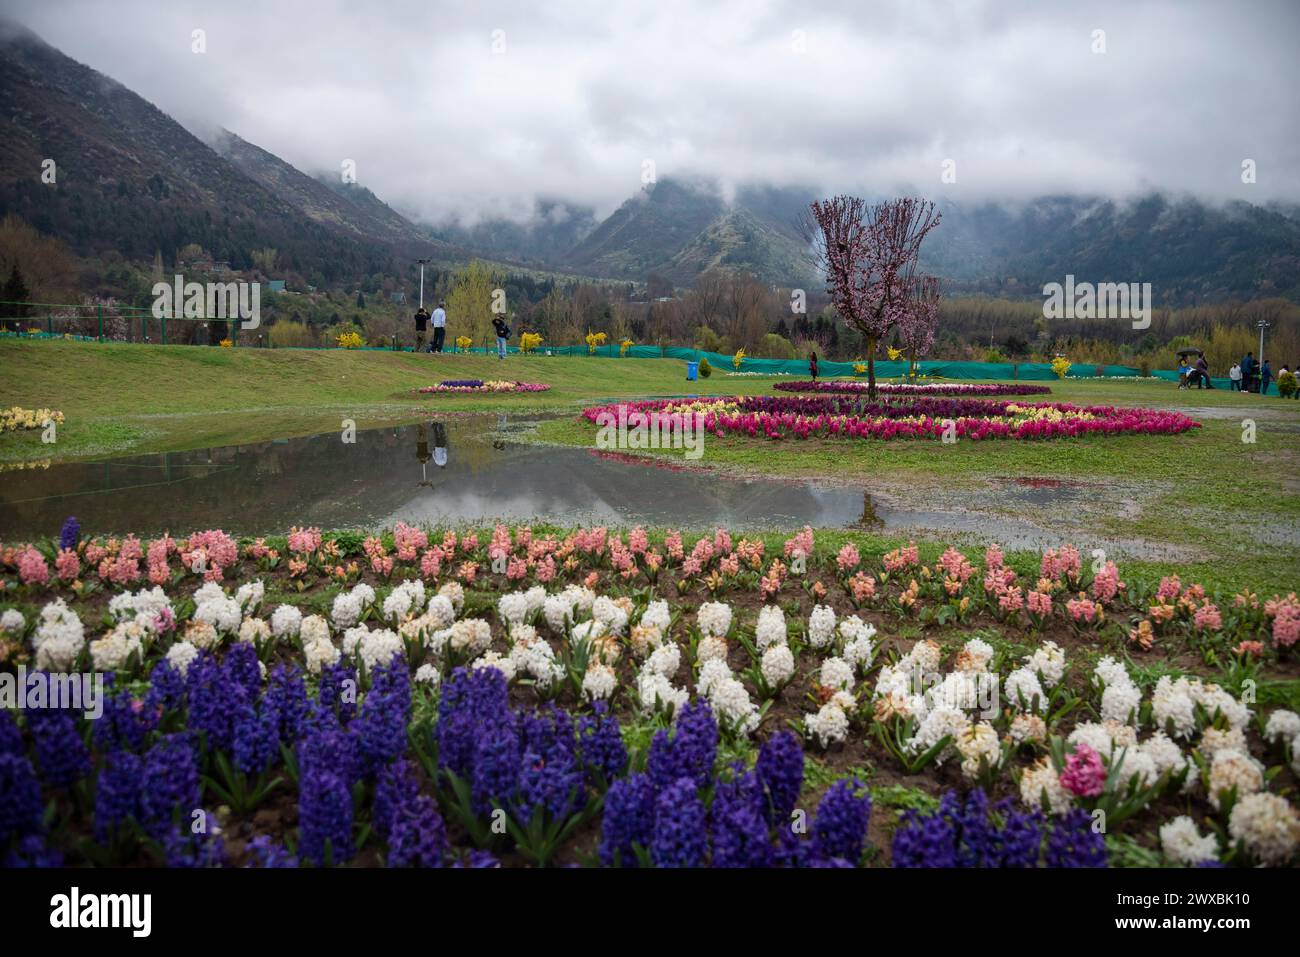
647, 231
739, 240
131, 180
544, 241
1189, 251
343, 206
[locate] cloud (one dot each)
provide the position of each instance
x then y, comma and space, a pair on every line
478, 111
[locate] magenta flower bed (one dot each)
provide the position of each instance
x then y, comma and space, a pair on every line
479, 386
778, 417
903, 388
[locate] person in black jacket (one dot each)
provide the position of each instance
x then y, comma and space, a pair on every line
503, 333
421, 326
812, 366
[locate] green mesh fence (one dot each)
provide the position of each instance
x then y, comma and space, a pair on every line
141, 327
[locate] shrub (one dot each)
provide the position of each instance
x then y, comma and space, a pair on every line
1144, 368
1061, 366
706, 340
288, 334
706, 370
1287, 385
773, 346
994, 355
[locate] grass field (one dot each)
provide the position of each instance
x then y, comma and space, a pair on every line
1225, 510
132, 398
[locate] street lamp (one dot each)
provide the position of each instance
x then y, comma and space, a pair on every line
422, 262
1263, 324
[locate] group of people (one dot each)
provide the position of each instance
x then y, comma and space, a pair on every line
1250, 375
439, 319
1197, 374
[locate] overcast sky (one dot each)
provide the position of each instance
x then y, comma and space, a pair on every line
446, 117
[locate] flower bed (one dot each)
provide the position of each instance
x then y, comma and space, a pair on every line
480, 386
907, 388
915, 417
17, 418
461, 675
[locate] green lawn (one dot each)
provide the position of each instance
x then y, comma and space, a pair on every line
1227, 511
121, 398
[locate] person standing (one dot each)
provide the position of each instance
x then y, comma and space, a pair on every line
1203, 373
439, 326
1234, 377
421, 326
440, 445
1248, 372
812, 365
1265, 374
503, 333
422, 454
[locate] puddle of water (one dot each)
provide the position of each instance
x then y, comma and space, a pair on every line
460, 471
465, 470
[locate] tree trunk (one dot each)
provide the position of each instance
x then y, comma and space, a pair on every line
911, 366
871, 368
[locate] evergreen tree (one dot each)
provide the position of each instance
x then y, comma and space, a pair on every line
15, 294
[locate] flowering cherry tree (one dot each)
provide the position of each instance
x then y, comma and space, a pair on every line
919, 320
869, 255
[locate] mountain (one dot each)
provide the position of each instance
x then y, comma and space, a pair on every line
645, 233
130, 180
554, 228
326, 200
1188, 250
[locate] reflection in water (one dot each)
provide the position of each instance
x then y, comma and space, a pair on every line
869, 517
422, 450
266, 487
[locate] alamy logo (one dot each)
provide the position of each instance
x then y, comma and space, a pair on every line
40, 690
214, 300
633, 429
72, 910
1106, 300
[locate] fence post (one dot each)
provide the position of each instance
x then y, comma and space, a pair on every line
101, 322
49, 324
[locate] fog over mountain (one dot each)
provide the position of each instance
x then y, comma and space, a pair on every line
456, 115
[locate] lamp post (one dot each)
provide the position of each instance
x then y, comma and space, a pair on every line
1263, 324
422, 262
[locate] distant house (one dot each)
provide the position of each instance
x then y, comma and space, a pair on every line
398, 297
275, 285
220, 265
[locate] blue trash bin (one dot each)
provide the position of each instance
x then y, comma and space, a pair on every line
692, 371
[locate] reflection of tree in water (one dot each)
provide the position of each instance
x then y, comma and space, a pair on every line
869, 517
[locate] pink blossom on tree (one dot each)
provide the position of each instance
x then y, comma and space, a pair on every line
919, 321
869, 258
